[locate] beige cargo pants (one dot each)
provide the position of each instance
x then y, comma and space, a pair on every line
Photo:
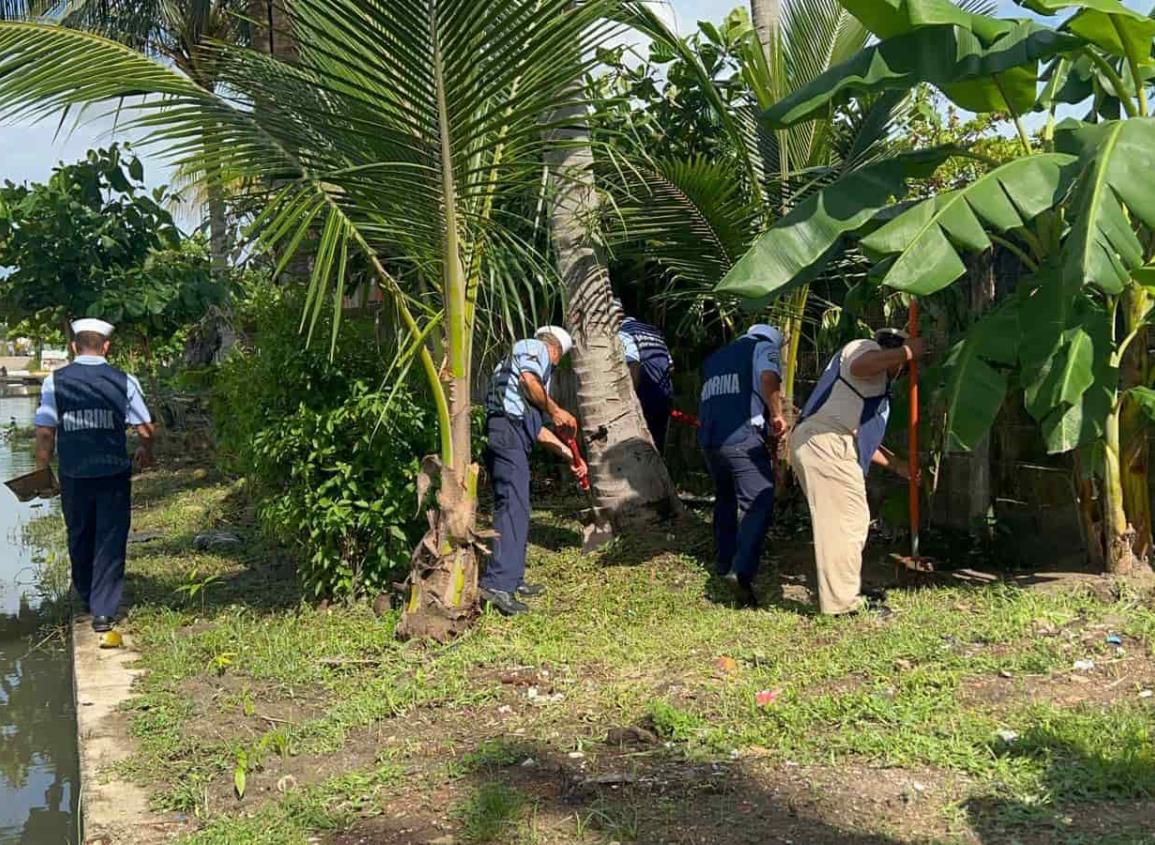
825, 460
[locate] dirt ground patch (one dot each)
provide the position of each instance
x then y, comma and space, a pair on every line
1113, 673
232, 707
655, 797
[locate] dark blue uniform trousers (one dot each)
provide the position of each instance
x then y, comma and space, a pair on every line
656, 409
507, 462
97, 512
743, 505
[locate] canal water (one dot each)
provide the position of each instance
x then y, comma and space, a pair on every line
39, 780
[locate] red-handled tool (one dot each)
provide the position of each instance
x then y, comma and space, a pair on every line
685, 419
577, 461
597, 530
915, 562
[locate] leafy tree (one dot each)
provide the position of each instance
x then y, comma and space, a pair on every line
82, 243
181, 33
409, 134
1074, 208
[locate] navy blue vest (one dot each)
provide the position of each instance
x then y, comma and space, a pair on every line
724, 410
91, 409
654, 356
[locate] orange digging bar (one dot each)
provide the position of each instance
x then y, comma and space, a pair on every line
912, 442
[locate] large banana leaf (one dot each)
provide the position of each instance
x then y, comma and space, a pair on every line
1065, 360
1108, 24
974, 388
799, 245
927, 238
1083, 421
1116, 161
976, 76
887, 18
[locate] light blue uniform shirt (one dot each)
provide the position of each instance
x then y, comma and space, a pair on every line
630, 348
135, 414
767, 359
505, 396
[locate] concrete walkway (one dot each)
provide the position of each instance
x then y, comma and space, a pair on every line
114, 810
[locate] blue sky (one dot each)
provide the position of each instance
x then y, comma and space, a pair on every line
30, 152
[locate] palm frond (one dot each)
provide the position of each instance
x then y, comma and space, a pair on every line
383, 133
688, 217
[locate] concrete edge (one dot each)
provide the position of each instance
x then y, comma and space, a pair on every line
112, 810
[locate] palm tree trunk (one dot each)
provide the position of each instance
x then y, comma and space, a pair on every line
767, 17
272, 34
630, 482
218, 230
271, 31
443, 581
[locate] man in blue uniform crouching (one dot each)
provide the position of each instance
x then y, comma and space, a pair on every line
517, 407
741, 407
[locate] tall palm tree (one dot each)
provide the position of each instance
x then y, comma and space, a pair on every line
630, 480
407, 133
767, 18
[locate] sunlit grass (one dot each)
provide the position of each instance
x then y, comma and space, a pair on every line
622, 645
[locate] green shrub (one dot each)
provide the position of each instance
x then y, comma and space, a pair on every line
330, 453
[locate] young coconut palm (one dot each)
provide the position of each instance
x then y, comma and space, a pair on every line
405, 131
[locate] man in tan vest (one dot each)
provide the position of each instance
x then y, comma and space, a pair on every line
838, 437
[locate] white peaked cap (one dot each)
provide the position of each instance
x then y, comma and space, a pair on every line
90, 324
563, 337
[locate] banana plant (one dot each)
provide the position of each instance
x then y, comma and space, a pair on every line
1072, 207
408, 134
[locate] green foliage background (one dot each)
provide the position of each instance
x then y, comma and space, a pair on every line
330, 452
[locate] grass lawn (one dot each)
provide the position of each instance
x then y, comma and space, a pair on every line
626, 708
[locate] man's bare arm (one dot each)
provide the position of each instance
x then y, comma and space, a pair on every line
635, 372
144, 457
536, 393
770, 386
551, 443
888, 460
45, 445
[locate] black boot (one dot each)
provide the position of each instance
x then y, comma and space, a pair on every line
530, 591
101, 624
743, 590
505, 603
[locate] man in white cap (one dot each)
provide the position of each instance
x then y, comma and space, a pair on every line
517, 407
740, 409
84, 410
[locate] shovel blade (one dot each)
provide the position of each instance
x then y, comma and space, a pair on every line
913, 564
595, 535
